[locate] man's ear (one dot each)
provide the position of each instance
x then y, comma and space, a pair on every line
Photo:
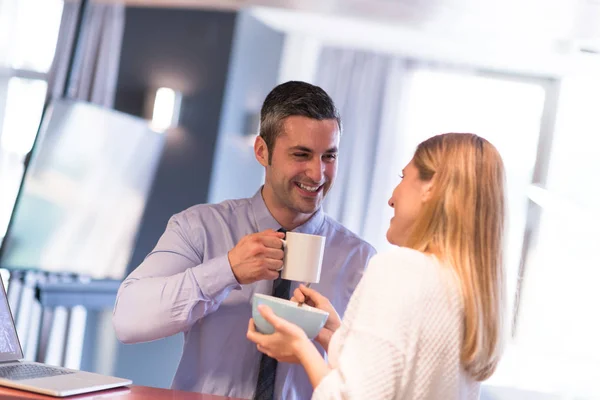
261, 152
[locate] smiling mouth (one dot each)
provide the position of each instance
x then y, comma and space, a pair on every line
309, 188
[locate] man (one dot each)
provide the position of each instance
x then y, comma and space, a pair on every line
212, 258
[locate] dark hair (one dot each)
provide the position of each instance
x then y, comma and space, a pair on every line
294, 98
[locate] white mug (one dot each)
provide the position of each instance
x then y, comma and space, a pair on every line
303, 256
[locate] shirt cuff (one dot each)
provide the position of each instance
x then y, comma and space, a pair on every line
215, 278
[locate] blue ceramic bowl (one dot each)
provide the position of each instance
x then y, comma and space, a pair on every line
310, 319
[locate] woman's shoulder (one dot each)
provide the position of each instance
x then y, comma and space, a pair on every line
408, 271
403, 260
401, 286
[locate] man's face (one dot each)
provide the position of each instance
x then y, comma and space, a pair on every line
303, 164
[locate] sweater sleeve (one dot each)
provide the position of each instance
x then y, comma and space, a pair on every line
378, 334
369, 368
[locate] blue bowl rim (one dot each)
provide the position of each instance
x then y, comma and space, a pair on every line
291, 303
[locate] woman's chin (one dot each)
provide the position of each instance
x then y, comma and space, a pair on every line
390, 237
396, 240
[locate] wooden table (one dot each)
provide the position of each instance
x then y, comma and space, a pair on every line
126, 393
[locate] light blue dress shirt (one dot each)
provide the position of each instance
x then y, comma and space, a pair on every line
186, 285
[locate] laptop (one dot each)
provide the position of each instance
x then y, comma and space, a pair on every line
37, 377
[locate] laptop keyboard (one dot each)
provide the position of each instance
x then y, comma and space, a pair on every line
29, 371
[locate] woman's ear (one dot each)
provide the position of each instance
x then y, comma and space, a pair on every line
427, 190
261, 151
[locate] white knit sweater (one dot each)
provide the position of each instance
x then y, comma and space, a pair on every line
401, 335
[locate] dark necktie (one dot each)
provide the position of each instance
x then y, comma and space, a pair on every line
265, 384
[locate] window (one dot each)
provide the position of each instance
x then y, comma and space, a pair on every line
506, 112
28, 35
556, 342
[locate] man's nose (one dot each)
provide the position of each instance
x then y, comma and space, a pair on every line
316, 170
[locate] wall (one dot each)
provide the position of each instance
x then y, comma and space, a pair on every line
253, 72
187, 50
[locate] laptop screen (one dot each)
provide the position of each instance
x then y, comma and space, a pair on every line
10, 348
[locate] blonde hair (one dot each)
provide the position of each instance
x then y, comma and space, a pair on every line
462, 224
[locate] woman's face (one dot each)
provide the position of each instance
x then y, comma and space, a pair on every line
407, 200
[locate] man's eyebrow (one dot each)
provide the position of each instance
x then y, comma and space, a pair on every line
301, 148
306, 149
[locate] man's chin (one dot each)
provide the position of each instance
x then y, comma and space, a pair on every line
306, 210
308, 207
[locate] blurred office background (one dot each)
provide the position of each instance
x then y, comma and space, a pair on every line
116, 115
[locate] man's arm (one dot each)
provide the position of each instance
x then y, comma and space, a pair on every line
175, 287
171, 290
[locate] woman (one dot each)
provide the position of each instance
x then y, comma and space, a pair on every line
426, 320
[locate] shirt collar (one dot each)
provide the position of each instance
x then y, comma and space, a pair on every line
264, 219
